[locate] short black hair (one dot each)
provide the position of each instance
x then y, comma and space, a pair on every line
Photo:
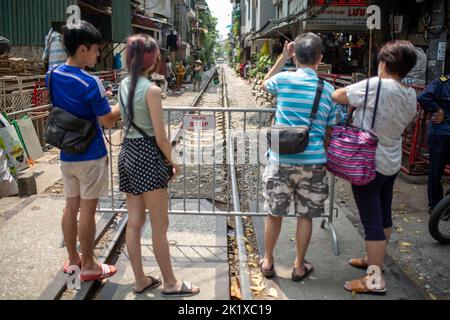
399, 56
81, 34
308, 48
58, 26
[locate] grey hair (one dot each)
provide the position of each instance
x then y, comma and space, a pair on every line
308, 48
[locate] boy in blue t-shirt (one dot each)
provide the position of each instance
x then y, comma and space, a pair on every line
85, 176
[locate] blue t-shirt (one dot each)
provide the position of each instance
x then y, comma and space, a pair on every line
296, 92
83, 95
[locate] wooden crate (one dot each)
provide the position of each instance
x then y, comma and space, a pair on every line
20, 67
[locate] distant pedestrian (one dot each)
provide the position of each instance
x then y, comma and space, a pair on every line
54, 52
169, 71
180, 71
198, 75
396, 110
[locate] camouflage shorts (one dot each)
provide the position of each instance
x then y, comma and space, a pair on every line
307, 185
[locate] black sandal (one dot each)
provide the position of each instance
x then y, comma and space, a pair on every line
187, 290
297, 278
267, 273
155, 284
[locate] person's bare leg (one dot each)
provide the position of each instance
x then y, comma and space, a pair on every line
136, 221
304, 234
388, 234
86, 233
157, 203
69, 225
271, 234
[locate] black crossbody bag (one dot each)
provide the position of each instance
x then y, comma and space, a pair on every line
66, 131
293, 139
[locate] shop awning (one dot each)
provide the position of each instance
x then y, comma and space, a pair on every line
143, 21
162, 24
273, 30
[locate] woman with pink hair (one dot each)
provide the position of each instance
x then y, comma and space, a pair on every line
146, 167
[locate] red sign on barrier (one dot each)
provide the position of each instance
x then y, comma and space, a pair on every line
198, 122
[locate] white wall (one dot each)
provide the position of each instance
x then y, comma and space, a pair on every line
250, 14
163, 7
265, 11
285, 8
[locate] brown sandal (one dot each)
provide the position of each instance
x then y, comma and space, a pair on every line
360, 286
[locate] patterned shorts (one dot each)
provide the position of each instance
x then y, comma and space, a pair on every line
142, 167
307, 185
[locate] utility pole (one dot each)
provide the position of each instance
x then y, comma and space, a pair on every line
437, 35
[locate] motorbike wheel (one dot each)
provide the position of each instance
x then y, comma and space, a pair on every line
441, 218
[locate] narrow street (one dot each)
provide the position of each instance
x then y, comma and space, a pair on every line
412, 251
237, 151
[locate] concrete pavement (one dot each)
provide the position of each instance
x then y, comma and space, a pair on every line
327, 280
198, 248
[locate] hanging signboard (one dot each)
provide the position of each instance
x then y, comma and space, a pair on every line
337, 15
337, 3
442, 46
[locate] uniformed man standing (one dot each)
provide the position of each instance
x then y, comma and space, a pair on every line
436, 99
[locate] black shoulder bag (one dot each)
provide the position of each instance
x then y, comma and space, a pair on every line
293, 139
66, 131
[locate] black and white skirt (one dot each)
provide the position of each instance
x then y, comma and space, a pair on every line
142, 167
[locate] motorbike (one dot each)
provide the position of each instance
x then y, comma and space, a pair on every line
439, 223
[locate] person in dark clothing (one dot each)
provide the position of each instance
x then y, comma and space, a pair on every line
436, 99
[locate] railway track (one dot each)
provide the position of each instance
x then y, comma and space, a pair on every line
111, 226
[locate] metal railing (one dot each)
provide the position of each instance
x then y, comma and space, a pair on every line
200, 153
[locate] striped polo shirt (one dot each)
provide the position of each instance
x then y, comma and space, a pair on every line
295, 93
54, 50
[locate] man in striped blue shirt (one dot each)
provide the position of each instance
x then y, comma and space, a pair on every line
298, 178
55, 52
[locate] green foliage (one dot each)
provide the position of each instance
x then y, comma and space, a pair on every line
229, 50
263, 64
209, 23
236, 27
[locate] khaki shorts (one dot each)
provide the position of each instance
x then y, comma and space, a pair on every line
306, 185
86, 179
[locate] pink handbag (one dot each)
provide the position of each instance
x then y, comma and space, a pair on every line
352, 150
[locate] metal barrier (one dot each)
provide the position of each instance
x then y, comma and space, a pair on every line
28, 96
201, 155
